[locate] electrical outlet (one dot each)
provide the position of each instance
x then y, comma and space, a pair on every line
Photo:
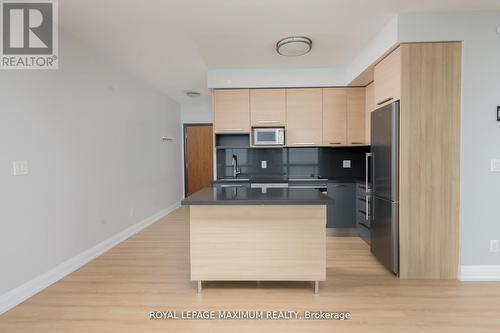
495, 165
263, 164
20, 168
346, 164
494, 245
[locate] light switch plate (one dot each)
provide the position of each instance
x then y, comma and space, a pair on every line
495, 165
346, 164
263, 164
494, 245
20, 168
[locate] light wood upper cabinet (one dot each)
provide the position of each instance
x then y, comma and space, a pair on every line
387, 77
232, 110
268, 107
369, 108
304, 117
356, 114
334, 116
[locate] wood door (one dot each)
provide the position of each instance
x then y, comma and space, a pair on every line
268, 107
198, 157
232, 110
304, 116
356, 114
334, 116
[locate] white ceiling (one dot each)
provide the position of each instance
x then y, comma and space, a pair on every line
171, 44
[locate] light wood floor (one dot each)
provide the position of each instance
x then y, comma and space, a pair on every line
150, 271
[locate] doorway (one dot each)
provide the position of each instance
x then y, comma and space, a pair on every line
198, 157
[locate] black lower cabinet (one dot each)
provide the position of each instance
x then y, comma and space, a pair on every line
341, 213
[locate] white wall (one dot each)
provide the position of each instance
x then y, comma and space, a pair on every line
267, 78
92, 136
196, 113
480, 130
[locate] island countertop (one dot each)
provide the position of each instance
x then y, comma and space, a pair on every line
256, 196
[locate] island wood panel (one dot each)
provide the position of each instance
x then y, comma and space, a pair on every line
304, 116
387, 75
334, 116
268, 107
430, 160
263, 243
231, 110
356, 114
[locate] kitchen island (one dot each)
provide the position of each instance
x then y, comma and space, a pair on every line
252, 234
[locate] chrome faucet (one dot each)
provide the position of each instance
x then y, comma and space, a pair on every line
234, 163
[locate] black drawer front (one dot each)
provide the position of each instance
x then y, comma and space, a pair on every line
364, 233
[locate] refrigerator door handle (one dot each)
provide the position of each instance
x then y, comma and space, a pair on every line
367, 167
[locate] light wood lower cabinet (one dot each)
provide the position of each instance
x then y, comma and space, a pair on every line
304, 117
334, 116
268, 107
356, 114
231, 110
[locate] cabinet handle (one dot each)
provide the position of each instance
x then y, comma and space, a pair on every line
385, 100
367, 209
232, 129
268, 121
335, 143
357, 143
367, 157
304, 143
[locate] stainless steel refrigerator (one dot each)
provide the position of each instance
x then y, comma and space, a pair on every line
385, 185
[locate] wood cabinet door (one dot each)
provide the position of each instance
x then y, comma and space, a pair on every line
356, 114
268, 107
334, 116
369, 108
304, 116
387, 76
232, 111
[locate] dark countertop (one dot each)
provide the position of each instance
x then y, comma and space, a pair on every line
255, 196
253, 179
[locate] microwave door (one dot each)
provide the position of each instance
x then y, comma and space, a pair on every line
265, 137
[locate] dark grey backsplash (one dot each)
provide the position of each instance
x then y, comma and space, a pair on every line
293, 162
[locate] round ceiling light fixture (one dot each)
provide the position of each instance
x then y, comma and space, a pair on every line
294, 46
192, 94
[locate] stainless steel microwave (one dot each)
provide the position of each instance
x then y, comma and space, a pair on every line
268, 136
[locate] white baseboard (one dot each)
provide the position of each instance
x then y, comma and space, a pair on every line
480, 273
32, 287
